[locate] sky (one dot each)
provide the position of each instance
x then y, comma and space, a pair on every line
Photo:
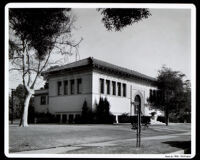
162, 39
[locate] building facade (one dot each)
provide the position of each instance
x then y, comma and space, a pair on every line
88, 80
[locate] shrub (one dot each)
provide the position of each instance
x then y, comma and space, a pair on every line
153, 114
124, 118
180, 117
86, 115
161, 119
144, 119
77, 120
31, 114
102, 114
111, 119
46, 118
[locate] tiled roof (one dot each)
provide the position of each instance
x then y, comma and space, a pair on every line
99, 64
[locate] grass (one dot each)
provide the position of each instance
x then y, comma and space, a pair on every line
49, 136
147, 147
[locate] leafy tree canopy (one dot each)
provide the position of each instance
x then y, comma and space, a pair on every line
38, 28
117, 19
169, 80
21, 92
173, 94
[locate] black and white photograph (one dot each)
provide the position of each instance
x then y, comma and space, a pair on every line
100, 80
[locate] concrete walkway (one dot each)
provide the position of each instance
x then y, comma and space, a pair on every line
59, 150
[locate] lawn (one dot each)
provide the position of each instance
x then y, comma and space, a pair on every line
159, 146
44, 136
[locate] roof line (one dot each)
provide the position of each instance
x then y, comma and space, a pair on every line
95, 62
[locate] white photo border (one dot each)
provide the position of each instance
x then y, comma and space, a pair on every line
191, 6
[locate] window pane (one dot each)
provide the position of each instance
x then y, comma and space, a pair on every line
66, 87
119, 88
72, 86
124, 89
71, 118
59, 87
43, 100
64, 118
79, 86
114, 87
108, 86
150, 94
58, 117
101, 85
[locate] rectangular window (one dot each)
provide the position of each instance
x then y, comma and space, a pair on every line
114, 88
77, 118
119, 88
124, 90
71, 118
65, 87
59, 88
72, 86
79, 86
43, 100
108, 86
102, 86
64, 118
150, 94
58, 118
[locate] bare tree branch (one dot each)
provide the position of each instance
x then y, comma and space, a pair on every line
23, 66
17, 57
36, 74
17, 69
29, 74
70, 43
45, 63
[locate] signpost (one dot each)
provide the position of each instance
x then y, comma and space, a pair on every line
139, 125
138, 133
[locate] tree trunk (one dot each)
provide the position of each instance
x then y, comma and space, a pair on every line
166, 117
24, 122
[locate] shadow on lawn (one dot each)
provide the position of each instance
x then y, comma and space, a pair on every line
186, 145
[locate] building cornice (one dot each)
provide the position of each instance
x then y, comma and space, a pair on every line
92, 63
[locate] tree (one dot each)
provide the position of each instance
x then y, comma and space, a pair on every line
17, 102
172, 92
36, 34
20, 94
102, 113
184, 113
86, 114
117, 19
